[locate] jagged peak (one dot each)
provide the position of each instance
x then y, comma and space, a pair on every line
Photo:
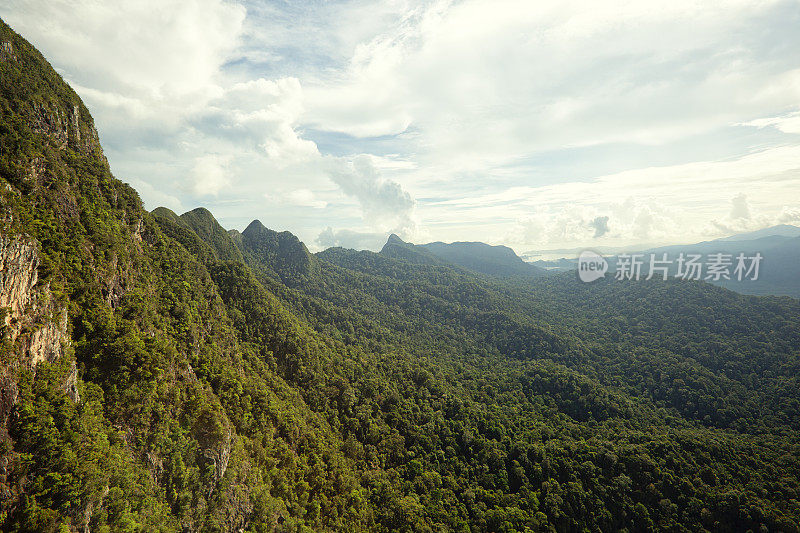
395, 239
202, 222
254, 227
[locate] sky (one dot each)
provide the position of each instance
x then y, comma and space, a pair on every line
538, 125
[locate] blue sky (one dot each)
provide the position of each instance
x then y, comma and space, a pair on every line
538, 125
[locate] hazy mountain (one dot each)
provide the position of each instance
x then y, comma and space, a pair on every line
781, 230
474, 256
778, 271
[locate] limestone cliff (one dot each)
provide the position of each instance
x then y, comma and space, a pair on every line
36, 325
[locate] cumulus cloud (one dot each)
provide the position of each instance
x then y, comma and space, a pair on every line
575, 224
739, 207
384, 203
659, 205
484, 81
153, 197
142, 58
263, 114
789, 215
740, 218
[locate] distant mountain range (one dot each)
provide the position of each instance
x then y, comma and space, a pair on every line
779, 246
474, 256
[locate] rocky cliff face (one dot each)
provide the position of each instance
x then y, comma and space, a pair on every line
36, 325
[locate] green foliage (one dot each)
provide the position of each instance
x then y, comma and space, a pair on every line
234, 382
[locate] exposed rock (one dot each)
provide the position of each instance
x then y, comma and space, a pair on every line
114, 283
53, 122
76, 122
214, 434
137, 232
91, 508
30, 313
156, 464
66, 207
19, 265
71, 384
64, 126
45, 344
36, 170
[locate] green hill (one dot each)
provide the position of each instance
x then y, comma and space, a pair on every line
159, 373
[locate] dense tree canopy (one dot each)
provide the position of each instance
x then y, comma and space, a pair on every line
217, 381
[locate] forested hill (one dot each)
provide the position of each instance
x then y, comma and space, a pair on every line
160, 373
474, 256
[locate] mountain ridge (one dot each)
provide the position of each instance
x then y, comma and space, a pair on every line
494, 260
153, 380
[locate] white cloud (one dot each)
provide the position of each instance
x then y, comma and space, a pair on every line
384, 202
346, 238
299, 198
789, 215
210, 175
651, 205
788, 123
529, 123
152, 196
484, 82
154, 58
263, 113
740, 208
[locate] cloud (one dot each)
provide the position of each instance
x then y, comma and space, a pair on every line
263, 114
153, 197
600, 226
210, 175
346, 238
657, 205
740, 209
384, 203
789, 215
741, 218
788, 123
503, 121
483, 82
154, 59
297, 197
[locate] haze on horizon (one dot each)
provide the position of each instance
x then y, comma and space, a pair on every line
550, 126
